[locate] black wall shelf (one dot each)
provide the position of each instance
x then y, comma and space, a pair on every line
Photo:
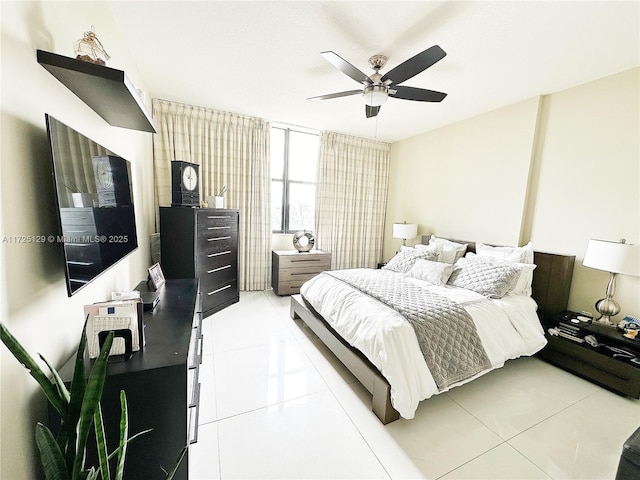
106, 90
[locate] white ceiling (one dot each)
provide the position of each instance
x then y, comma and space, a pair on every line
263, 59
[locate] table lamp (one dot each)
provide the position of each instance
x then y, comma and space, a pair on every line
404, 231
613, 257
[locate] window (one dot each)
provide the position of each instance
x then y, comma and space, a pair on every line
294, 160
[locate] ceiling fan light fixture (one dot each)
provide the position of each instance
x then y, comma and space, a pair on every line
375, 95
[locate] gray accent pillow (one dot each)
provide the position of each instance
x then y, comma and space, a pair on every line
493, 280
525, 278
404, 260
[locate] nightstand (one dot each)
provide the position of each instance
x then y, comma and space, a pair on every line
596, 364
290, 269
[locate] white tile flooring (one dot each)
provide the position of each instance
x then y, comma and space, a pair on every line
277, 404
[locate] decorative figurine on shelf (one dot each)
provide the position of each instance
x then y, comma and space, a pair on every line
303, 241
89, 49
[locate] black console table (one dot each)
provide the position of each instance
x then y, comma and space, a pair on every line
161, 384
596, 364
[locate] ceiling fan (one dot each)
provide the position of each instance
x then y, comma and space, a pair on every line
378, 87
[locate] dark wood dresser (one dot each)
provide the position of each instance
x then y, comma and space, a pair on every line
161, 384
290, 269
202, 243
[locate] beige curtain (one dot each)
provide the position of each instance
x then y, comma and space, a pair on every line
351, 199
232, 150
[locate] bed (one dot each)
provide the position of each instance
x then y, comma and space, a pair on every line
385, 347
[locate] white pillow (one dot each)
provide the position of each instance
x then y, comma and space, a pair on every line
450, 252
404, 260
436, 273
525, 278
510, 254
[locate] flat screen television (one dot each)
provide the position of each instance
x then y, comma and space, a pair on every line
95, 204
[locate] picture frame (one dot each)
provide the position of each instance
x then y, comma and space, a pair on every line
156, 277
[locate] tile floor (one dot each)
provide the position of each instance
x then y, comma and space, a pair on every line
277, 404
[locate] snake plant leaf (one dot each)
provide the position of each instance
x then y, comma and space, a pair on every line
53, 464
92, 474
101, 443
124, 431
78, 385
129, 440
91, 398
174, 469
35, 371
62, 389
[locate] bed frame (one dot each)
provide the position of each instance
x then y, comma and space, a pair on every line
550, 290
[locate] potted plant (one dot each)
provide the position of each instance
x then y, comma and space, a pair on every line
63, 456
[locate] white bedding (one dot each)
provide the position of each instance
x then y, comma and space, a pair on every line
508, 328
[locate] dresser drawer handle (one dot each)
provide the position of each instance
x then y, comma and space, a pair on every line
218, 269
303, 273
226, 252
307, 260
217, 228
217, 238
218, 216
81, 264
219, 290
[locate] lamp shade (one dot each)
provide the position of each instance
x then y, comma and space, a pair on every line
405, 230
614, 257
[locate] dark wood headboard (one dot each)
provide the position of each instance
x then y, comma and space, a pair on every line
551, 279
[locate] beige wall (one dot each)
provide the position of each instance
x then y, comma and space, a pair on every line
589, 180
556, 170
34, 302
467, 180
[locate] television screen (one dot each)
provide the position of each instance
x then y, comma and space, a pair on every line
95, 202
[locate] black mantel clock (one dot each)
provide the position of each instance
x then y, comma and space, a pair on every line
185, 184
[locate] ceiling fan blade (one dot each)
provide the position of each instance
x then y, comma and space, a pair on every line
418, 94
336, 95
414, 65
371, 111
345, 67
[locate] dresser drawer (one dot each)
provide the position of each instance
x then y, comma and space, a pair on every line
311, 263
213, 259
213, 277
212, 297
289, 288
217, 230
216, 242
295, 276
212, 218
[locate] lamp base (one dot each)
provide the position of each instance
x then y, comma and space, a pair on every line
607, 308
605, 321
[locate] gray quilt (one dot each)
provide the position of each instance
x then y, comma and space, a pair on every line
446, 333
